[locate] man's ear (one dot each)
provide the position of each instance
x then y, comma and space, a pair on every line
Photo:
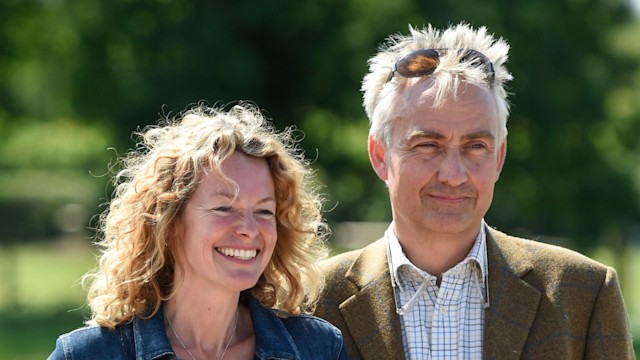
502, 154
376, 156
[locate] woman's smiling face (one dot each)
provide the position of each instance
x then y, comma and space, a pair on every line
226, 239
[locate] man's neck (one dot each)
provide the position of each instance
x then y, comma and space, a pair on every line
437, 253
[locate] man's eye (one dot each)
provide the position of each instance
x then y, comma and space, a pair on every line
428, 145
477, 146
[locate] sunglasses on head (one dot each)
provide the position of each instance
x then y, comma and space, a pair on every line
423, 62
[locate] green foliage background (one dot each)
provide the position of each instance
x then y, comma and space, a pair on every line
78, 76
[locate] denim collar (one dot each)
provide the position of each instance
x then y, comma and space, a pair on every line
150, 338
272, 338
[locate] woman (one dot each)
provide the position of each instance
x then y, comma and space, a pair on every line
208, 249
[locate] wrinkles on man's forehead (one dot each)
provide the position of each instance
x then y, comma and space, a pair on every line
414, 98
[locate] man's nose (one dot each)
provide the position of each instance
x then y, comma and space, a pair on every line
452, 169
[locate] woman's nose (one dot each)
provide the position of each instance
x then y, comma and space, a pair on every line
247, 225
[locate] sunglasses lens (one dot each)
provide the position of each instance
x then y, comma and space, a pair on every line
479, 59
418, 63
423, 62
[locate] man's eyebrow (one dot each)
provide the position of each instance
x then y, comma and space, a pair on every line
425, 134
482, 134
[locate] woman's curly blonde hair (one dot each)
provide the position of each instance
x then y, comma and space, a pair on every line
135, 233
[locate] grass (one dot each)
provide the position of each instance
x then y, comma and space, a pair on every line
40, 295
39, 275
32, 334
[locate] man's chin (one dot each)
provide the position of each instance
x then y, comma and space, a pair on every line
451, 223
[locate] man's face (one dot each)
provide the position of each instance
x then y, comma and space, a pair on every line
441, 164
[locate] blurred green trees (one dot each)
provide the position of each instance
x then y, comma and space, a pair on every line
78, 76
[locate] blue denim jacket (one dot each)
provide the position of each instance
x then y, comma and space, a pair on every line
297, 337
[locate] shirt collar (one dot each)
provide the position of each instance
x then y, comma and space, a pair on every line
397, 258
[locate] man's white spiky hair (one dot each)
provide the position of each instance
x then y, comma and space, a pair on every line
378, 91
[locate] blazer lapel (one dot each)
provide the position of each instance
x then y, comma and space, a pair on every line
374, 324
371, 314
513, 302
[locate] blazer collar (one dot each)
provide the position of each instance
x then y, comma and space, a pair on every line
514, 302
371, 313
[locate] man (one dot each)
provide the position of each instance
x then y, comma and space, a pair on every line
441, 283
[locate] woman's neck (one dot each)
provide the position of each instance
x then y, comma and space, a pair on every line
203, 323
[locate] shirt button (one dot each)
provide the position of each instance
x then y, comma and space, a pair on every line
443, 311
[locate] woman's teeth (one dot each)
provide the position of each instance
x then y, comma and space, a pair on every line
238, 253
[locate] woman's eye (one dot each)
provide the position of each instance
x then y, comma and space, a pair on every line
265, 213
222, 209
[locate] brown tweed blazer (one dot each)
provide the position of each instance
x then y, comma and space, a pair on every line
547, 302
